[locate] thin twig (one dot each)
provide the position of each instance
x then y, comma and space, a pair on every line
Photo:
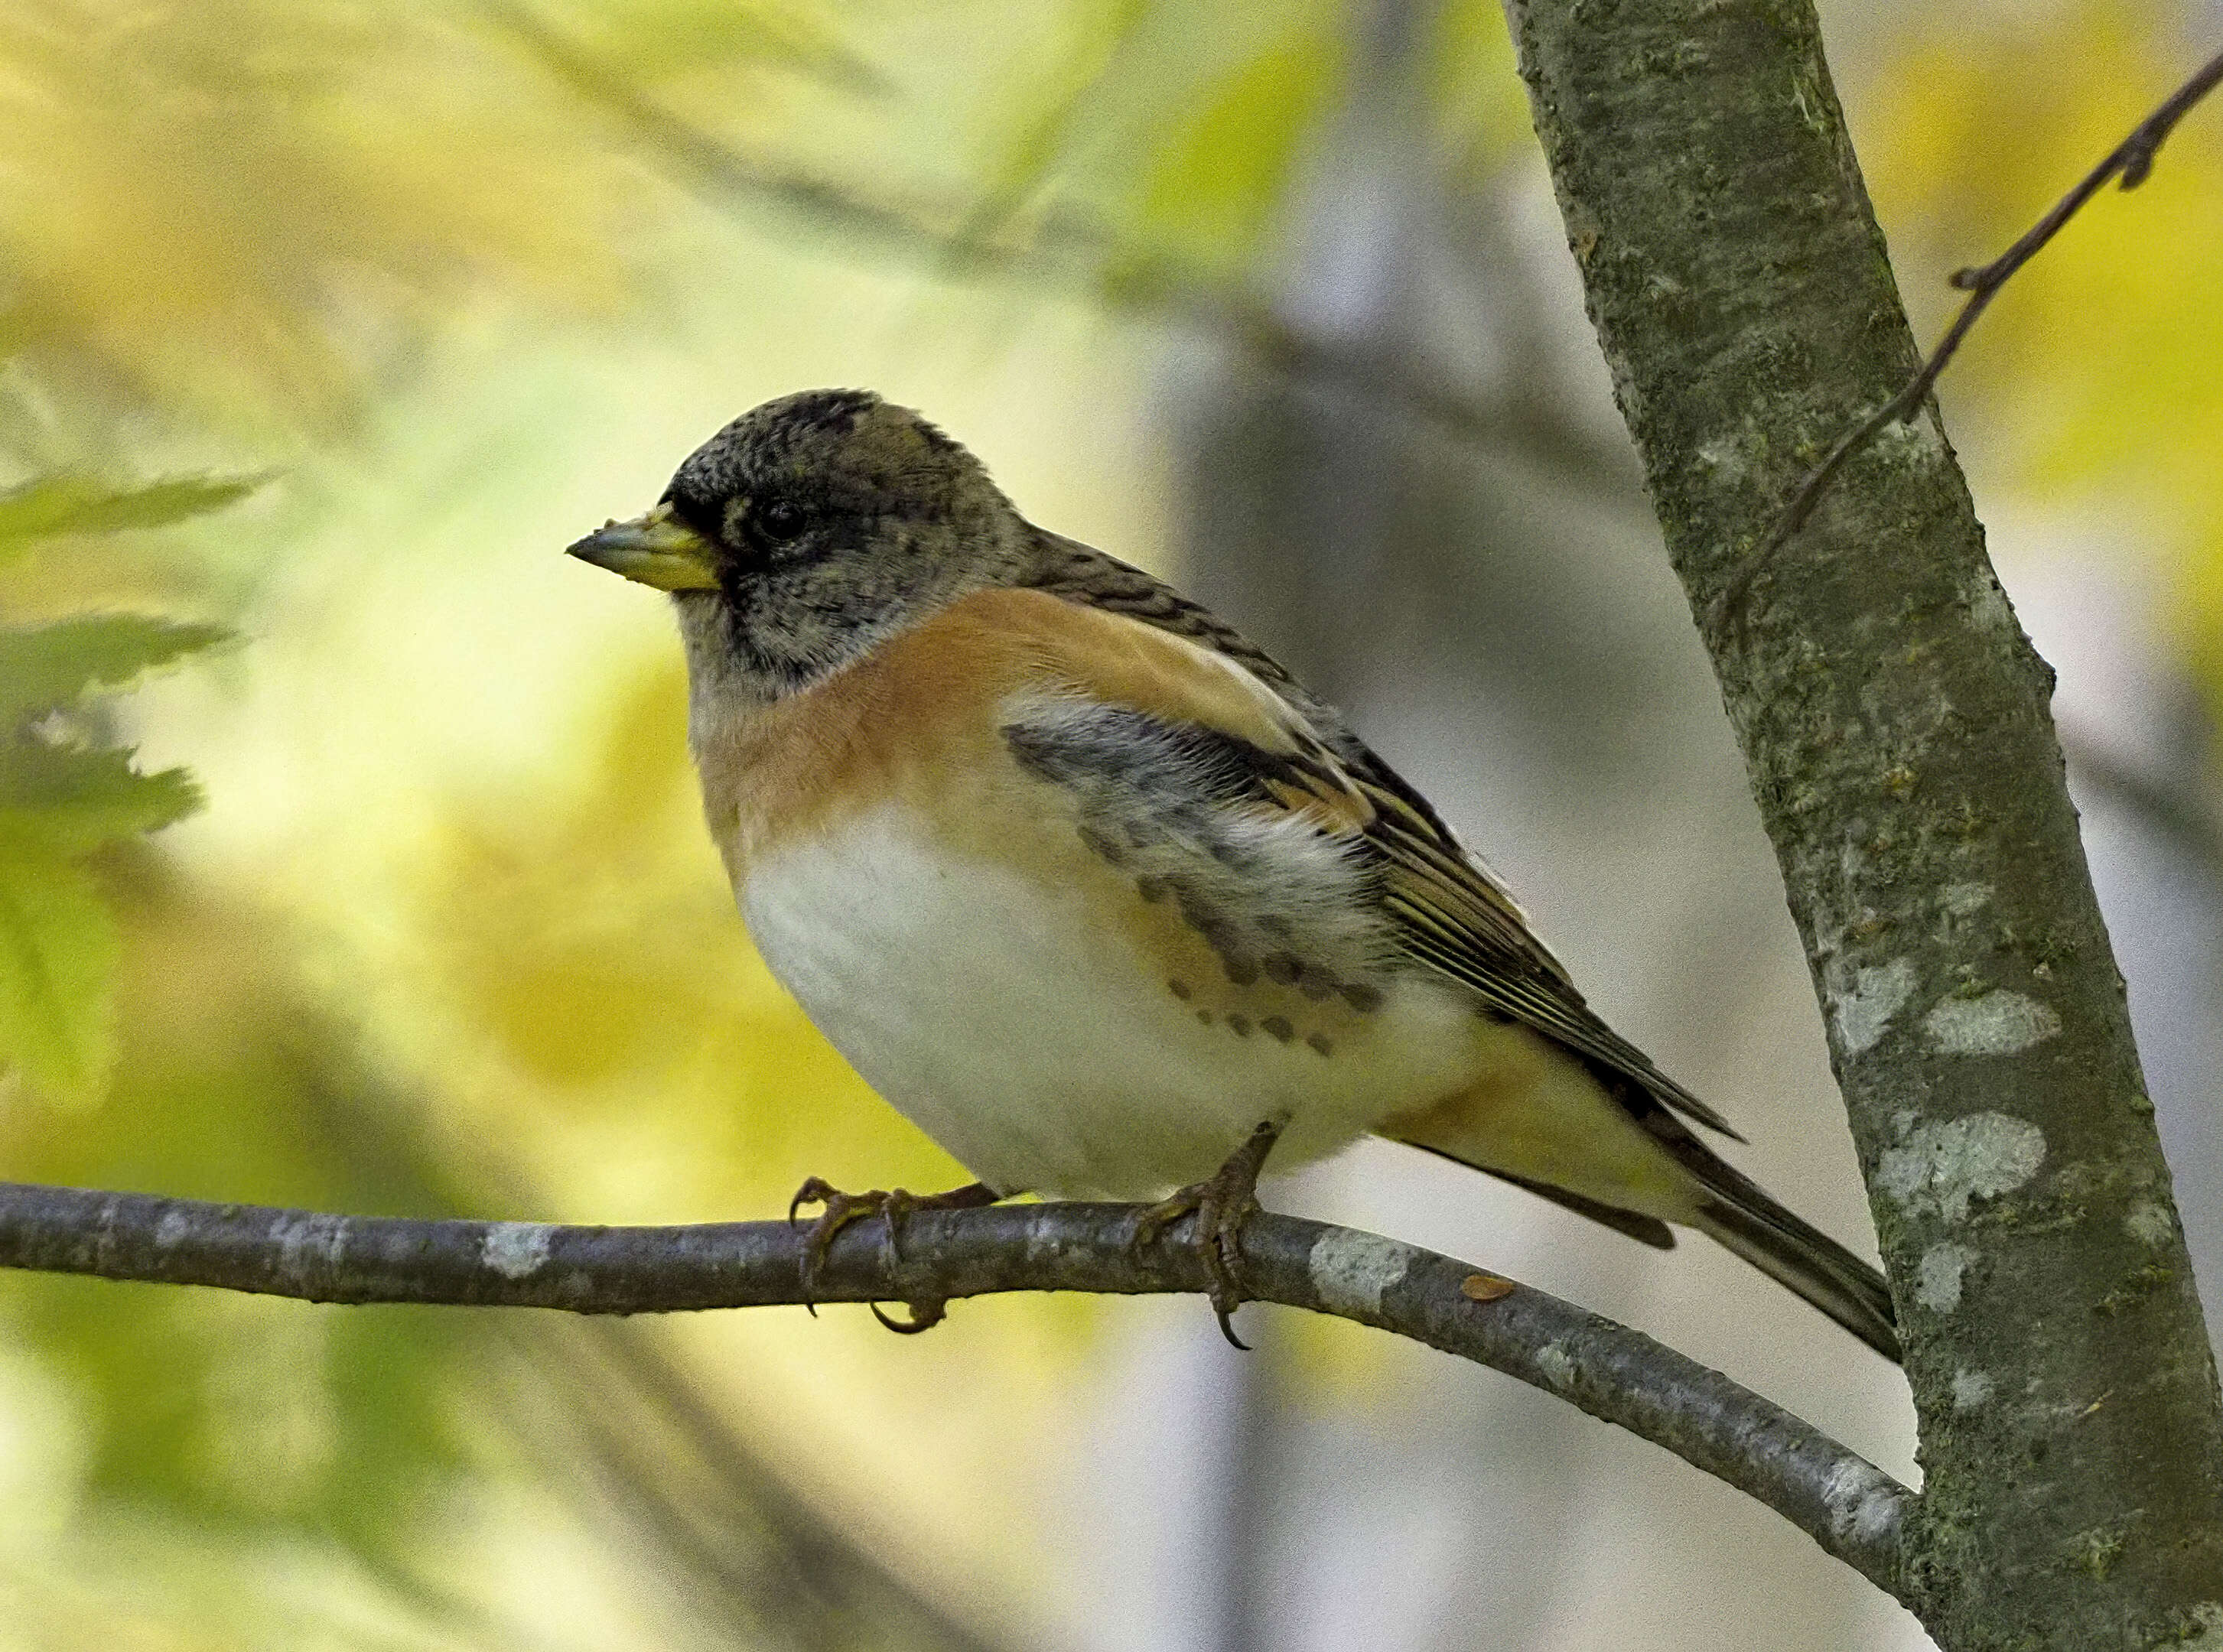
2131, 160
1851, 1508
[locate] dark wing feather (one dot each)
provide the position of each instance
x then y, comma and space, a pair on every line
1645, 1230
1450, 912
1082, 574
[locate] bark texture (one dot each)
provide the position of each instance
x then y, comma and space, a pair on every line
1895, 722
1846, 1504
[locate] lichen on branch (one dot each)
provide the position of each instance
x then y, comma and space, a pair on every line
1894, 721
1851, 1508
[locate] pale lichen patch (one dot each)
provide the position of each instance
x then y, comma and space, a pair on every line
172, 1229
1350, 1270
2150, 1223
1558, 1366
2208, 1617
1966, 899
309, 1241
1999, 1023
1971, 1389
1862, 1012
1724, 457
1937, 1276
1939, 1168
1862, 1500
516, 1250
1915, 439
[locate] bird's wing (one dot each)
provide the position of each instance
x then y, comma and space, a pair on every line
1273, 742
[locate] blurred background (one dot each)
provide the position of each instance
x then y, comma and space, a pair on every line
327, 324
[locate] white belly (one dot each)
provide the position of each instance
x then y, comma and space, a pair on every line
1041, 1048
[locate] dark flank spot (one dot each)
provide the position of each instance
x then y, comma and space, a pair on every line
1153, 889
1275, 925
1099, 843
1317, 985
1239, 1025
1282, 969
1204, 1016
1223, 937
1142, 834
1179, 989
1319, 1041
1361, 998
1279, 1027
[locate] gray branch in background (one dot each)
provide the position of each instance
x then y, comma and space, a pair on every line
1852, 1509
1070, 252
1894, 721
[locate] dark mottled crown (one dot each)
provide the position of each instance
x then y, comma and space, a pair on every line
848, 448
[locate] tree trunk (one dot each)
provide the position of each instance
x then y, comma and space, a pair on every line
1895, 723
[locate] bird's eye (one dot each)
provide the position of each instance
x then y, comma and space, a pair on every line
779, 518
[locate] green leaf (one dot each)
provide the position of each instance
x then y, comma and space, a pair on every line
50, 666
58, 955
58, 944
66, 502
1215, 183
75, 798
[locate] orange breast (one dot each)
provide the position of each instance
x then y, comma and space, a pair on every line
918, 719
918, 725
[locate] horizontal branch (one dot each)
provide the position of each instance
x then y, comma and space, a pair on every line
1851, 1508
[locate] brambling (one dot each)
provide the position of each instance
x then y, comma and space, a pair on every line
1105, 900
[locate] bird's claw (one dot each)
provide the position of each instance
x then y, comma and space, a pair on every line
895, 1206
924, 1316
1221, 1204
841, 1209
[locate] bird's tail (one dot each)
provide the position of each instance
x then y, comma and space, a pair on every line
1734, 1212
1631, 1178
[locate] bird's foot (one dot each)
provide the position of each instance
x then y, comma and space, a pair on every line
1221, 1204
893, 1205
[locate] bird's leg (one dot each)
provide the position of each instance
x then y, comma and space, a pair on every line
1221, 1203
895, 1205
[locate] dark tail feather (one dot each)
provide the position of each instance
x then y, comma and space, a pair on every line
1645, 1230
1725, 1205
1795, 1253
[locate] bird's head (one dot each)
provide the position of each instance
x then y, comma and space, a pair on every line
810, 529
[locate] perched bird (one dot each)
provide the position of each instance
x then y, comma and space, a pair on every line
1099, 895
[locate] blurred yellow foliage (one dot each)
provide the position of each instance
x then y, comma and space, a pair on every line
193, 189
590, 944
229, 207
2091, 382
1212, 186
512, 980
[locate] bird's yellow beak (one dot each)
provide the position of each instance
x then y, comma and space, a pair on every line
656, 549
